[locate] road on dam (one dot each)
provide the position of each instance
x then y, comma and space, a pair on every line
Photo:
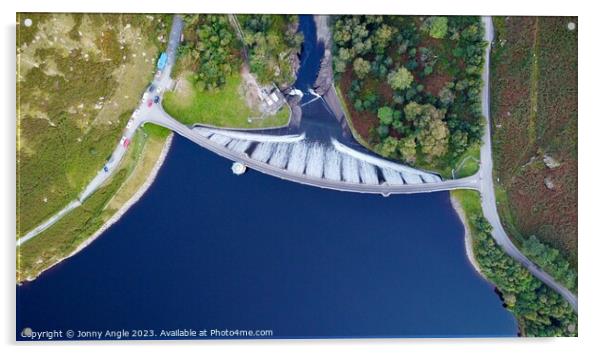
482, 181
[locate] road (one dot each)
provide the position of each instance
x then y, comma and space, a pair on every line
488, 190
162, 81
481, 181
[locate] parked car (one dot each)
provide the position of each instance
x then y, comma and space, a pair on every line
156, 100
106, 168
130, 124
149, 102
145, 96
124, 141
151, 88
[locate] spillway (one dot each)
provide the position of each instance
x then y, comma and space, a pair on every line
317, 160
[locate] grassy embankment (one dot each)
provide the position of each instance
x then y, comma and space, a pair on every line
73, 104
540, 311
445, 71
534, 112
73, 100
221, 108
214, 86
67, 234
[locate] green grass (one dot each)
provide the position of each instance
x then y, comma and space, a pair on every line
471, 203
445, 164
468, 163
67, 234
63, 138
155, 130
62, 238
224, 107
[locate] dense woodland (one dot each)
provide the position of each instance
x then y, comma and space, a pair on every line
215, 46
541, 311
211, 49
420, 77
273, 43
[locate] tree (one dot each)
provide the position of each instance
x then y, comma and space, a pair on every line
388, 148
400, 79
434, 139
446, 96
407, 149
385, 115
382, 37
361, 67
432, 131
437, 26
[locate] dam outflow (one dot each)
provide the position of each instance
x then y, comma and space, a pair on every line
320, 147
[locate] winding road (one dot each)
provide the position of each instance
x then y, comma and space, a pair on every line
487, 187
482, 181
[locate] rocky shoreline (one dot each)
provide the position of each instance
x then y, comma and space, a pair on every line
324, 80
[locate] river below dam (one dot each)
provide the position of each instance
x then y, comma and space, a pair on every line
205, 250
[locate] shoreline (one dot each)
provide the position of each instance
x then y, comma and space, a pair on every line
467, 236
121, 211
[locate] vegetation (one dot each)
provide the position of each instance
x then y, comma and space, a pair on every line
67, 234
71, 103
412, 85
213, 50
221, 108
534, 112
216, 87
541, 312
273, 43
551, 261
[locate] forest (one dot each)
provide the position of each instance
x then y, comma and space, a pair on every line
541, 312
215, 47
412, 84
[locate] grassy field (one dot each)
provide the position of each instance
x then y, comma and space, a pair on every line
223, 107
534, 112
71, 231
73, 100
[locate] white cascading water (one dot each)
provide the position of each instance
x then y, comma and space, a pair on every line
412, 174
220, 139
239, 146
315, 160
332, 164
350, 169
368, 173
296, 162
335, 162
263, 151
411, 178
391, 177
280, 156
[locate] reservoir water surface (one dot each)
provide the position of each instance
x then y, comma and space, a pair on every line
204, 249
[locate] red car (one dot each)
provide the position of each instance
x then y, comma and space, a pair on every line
149, 102
125, 142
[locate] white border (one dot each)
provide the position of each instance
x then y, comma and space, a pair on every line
589, 131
